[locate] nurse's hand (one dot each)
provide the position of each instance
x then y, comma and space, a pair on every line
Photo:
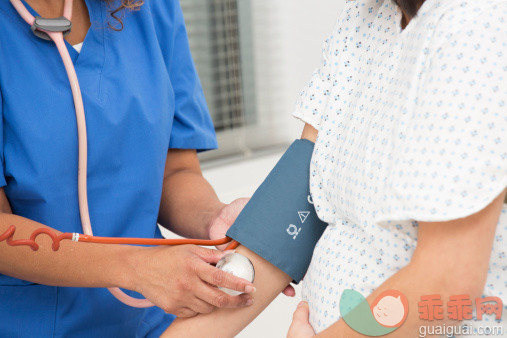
181, 280
223, 221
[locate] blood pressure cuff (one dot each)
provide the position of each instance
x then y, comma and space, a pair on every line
280, 223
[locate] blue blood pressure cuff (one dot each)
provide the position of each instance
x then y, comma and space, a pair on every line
279, 223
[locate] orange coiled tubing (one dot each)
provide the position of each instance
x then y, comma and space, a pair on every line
9, 234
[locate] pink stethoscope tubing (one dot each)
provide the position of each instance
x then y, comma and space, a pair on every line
57, 38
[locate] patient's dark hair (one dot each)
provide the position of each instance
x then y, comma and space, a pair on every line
410, 7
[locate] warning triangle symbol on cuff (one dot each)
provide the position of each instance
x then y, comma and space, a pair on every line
303, 215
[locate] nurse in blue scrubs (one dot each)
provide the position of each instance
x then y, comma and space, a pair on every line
146, 119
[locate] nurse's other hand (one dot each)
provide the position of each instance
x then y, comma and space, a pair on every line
223, 221
300, 327
225, 218
181, 281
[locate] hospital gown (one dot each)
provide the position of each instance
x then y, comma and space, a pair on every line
412, 127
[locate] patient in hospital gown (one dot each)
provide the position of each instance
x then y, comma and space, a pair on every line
412, 127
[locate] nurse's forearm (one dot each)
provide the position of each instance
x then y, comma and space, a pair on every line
188, 202
269, 282
74, 264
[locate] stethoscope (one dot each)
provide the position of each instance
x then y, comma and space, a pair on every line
55, 30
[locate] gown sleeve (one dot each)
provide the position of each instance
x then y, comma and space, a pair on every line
192, 125
452, 161
314, 97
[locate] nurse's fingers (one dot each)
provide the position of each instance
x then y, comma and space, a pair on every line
217, 277
289, 291
201, 306
220, 299
209, 255
185, 313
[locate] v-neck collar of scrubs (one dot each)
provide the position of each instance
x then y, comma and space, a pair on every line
89, 62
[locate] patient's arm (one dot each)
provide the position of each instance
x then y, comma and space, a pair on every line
269, 282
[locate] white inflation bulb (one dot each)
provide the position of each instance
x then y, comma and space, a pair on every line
239, 266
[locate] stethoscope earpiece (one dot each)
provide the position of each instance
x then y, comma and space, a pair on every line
42, 25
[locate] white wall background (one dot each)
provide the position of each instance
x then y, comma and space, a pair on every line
288, 35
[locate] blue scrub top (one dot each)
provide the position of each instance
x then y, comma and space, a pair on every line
142, 96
